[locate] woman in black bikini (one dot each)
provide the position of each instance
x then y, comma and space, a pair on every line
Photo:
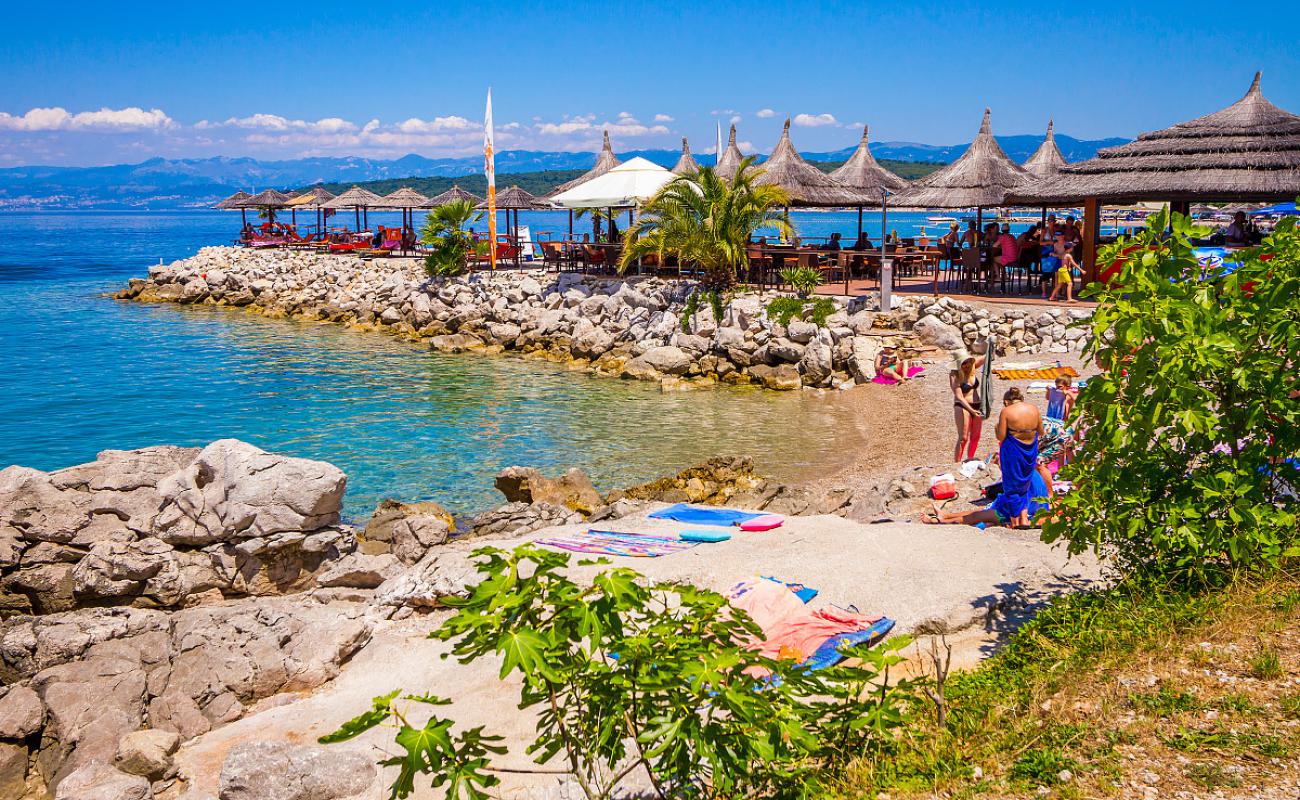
966, 394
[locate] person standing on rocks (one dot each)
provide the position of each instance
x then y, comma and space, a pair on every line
966, 394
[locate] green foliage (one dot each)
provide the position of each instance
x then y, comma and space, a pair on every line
1209, 775
707, 222
1165, 701
458, 762
626, 674
444, 231
784, 309
804, 280
1185, 430
1266, 664
1041, 766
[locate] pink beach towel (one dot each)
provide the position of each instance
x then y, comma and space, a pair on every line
912, 372
790, 628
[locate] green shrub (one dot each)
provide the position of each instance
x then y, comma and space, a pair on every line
784, 309
628, 673
804, 280
450, 244
1180, 471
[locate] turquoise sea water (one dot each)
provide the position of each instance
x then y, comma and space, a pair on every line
80, 373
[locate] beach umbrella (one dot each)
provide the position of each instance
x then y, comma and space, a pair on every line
1047, 159
605, 161
357, 199
1247, 151
406, 200
729, 161
686, 164
268, 199
627, 185
454, 194
805, 184
235, 201
1280, 208
979, 179
514, 199
316, 198
865, 174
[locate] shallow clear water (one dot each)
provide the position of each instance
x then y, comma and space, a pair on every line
81, 373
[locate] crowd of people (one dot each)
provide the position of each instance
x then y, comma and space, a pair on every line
1054, 247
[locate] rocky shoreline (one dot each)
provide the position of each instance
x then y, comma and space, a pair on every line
629, 328
154, 595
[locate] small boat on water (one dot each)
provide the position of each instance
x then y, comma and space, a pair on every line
941, 219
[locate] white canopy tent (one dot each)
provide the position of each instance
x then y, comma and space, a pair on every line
629, 184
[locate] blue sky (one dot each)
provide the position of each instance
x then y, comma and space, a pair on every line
90, 83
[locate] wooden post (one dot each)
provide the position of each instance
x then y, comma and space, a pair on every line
1091, 232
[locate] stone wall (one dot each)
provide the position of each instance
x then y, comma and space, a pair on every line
626, 328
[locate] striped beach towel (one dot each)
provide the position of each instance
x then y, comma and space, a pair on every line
1045, 373
613, 543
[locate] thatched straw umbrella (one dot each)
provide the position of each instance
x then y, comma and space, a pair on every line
452, 195
686, 165
865, 174
605, 161
406, 200
729, 160
806, 185
314, 198
1248, 151
514, 199
359, 200
236, 201
1047, 159
979, 179
268, 200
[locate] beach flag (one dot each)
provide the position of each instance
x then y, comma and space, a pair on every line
490, 169
718, 152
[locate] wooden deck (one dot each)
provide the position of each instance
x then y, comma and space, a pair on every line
922, 285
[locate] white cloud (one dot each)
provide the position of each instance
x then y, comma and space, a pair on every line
734, 119
765, 113
663, 118
624, 125
105, 119
438, 124
814, 120
723, 112
857, 125
275, 122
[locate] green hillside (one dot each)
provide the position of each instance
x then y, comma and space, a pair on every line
539, 183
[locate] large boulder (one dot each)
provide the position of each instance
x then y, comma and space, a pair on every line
13, 769
862, 358
234, 490
359, 571
406, 530
281, 771
21, 714
147, 753
98, 781
666, 359
816, 363
937, 333
573, 489
713, 482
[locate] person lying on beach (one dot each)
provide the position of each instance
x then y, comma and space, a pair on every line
1024, 482
891, 366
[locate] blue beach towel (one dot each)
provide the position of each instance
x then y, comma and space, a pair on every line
1019, 464
704, 536
704, 515
828, 655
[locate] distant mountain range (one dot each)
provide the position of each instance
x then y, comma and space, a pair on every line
191, 182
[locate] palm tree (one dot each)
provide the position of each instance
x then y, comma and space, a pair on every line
703, 220
444, 230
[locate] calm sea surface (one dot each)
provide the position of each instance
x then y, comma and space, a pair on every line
80, 373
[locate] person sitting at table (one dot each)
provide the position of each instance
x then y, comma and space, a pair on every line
863, 243
1009, 249
1027, 243
833, 244
952, 238
971, 237
1241, 232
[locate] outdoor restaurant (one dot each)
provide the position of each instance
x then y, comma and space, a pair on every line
1016, 229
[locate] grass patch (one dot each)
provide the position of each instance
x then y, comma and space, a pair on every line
1109, 685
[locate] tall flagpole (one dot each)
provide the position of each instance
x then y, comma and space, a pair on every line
718, 152
490, 169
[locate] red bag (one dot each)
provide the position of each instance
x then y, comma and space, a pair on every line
943, 486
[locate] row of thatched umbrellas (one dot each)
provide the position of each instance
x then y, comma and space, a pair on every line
1248, 151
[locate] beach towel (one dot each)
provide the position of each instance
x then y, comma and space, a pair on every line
613, 543
705, 536
790, 628
1046, 373
704, 515
912, 372
800, 591
1019, 463
831, 651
